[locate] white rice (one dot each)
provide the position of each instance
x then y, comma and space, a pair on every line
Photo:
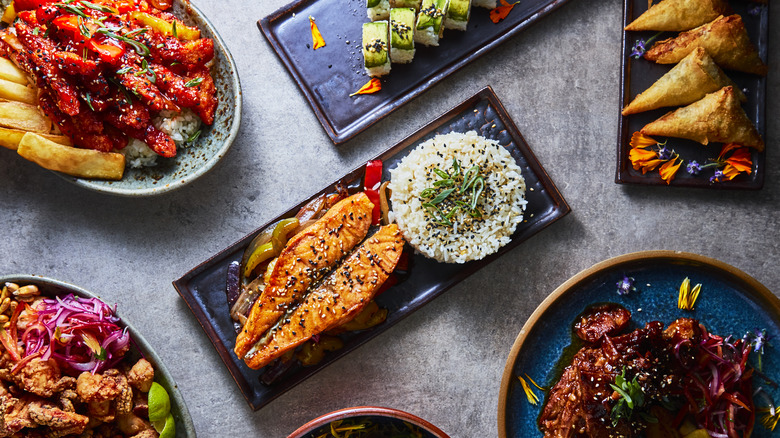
502, 202
179, 126
380, 11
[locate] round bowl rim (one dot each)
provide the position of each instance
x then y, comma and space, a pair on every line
367, 411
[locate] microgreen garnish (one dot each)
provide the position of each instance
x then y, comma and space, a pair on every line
626, 285
631, 397
139, 47
455, 191
88, 99
193, 82
194, 136
687, 297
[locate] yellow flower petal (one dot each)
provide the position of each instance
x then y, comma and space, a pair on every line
529, 393
639, 140
316, 36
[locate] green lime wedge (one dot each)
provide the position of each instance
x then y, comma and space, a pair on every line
159, 403
166, 428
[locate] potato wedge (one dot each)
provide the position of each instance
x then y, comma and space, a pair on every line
18, 115
18, 92
82, 163
10, 72
10, 138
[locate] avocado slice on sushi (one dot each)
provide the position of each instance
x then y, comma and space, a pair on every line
376, 55
458, 15
402, 35
378, 9
430, 27
406, 4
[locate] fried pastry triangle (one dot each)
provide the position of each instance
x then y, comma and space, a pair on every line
679, 15
725, 39
718, 117
690, 80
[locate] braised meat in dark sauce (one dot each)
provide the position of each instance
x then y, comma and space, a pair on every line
580, 403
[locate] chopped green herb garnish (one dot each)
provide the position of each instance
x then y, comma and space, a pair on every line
173, 29
631, 397
123, 70
194, 136
100, 8
451, 191
193, 82
88, 99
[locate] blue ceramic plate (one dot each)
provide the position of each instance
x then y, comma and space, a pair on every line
731, 302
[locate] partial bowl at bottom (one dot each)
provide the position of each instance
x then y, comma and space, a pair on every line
384, 417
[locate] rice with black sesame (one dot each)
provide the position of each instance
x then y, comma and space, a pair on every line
457, 236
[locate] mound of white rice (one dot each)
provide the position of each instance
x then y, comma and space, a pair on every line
501, 204
180, 126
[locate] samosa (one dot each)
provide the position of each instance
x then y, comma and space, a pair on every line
725, 39
717, 117
679, 15
690, 80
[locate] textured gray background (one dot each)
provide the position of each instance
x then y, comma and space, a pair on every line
558, 80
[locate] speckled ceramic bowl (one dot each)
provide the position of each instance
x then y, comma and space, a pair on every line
214, 141
50, 287
319, 425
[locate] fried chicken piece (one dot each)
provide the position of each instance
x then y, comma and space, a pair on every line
130, 424
141, 375
96, 387
148, 433
46, 414
42, 378
14, 415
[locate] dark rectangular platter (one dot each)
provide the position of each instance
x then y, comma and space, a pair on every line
638, 74
203, 288
330, 74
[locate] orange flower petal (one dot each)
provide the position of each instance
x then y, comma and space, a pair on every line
499, 13
316, 36
640, 157
741, 160
371, 86
730, 172
726, 148
651, 165
639, 140
669, 169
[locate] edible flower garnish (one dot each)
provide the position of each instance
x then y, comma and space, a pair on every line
631, 396
647, 154
687, 297
639, 47
370, 87
500, 12
732, 160
771, 417
626, 285
316, 36
757, 340
454, 192
529, 392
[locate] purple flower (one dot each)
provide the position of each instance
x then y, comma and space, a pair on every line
626, 285
718, 177
664, 153
694, 167
639, 49
755, 10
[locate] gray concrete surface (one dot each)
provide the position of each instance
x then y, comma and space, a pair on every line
558, 80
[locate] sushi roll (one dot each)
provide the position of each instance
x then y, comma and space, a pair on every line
458, 15
430, 22
489, 4
406, 4
378, 9
376, 53
402, 35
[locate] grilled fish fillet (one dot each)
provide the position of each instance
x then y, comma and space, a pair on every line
307, 257
340, 297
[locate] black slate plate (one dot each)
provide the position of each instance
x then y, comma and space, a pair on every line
638, 74
328, 75
203, 288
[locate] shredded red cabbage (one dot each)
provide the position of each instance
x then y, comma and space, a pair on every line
81, 334
718, 387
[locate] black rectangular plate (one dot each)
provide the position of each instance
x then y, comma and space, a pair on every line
638, 74
329, 75
203, 288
